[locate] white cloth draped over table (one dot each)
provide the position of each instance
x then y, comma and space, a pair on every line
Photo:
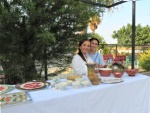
79, 65
130, 96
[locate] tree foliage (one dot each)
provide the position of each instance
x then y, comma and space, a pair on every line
144, 59
124, 35
34, 31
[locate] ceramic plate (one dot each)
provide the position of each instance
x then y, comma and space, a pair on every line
5, 88
14, 99
32, 85
110, 80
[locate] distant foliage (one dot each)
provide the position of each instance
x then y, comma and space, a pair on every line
124, 35
144, 60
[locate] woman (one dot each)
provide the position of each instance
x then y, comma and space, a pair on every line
79, 60
96, 56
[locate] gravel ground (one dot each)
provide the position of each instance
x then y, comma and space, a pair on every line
146, 73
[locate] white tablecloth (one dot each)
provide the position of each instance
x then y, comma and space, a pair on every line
130, 96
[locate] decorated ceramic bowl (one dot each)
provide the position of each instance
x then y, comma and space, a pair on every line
105, 72
118, 74
132, 72
117, 70
117, 67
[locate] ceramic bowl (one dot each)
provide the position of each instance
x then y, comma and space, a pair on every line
105, 72
132, 72
117, 70
117, 67
118, 74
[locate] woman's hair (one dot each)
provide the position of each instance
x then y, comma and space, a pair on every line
94, 39
79, 50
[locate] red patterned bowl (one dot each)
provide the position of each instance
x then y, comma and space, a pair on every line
132, 72
105, 71
118, 74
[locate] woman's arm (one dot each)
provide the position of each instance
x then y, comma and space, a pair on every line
101, 60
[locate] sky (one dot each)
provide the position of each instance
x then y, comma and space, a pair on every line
121, 16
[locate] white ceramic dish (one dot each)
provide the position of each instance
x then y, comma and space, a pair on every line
111, 80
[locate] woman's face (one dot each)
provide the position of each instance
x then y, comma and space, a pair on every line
85, 47
94, 45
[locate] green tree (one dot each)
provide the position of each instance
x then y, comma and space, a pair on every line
124, 35
38, 30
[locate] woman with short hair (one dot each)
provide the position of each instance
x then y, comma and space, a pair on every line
96, 56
